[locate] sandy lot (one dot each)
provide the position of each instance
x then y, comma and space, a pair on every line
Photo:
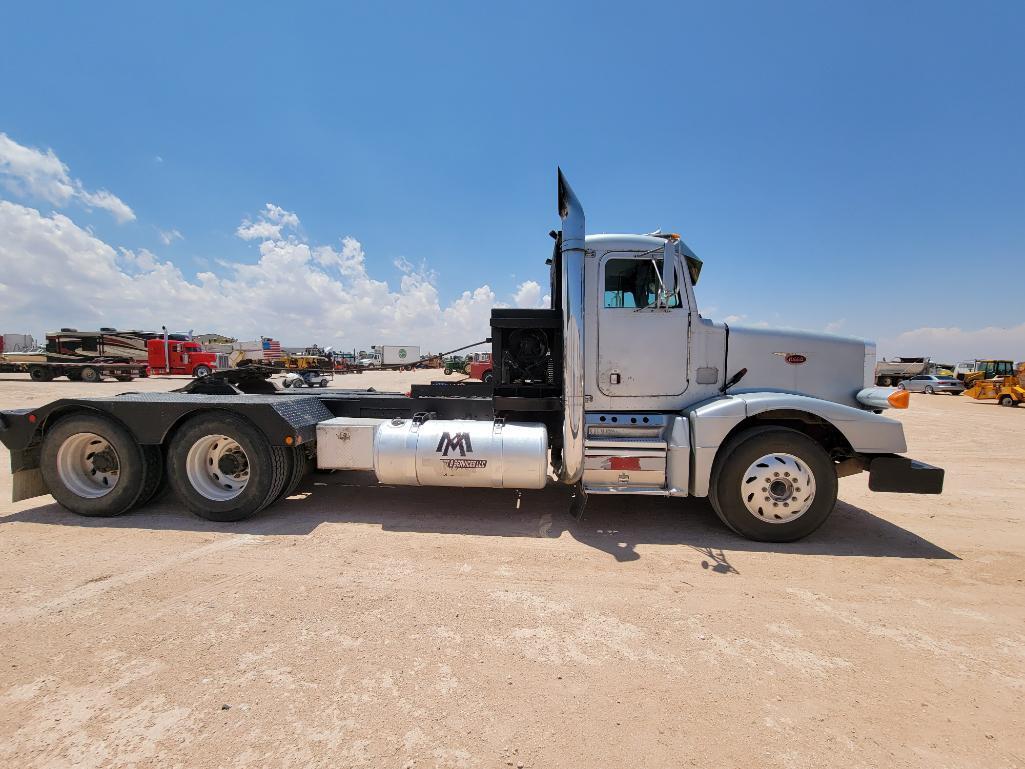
387, 627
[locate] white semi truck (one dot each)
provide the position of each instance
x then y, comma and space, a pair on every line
621, 387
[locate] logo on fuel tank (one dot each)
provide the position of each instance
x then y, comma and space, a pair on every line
459, 442
793, 358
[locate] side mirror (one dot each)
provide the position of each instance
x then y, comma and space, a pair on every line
669, 271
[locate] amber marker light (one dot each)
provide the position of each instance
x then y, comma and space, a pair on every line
899, 399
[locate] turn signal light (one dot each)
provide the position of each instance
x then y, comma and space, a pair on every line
899, 399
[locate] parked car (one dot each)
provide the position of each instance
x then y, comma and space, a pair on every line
306, 378
930, 383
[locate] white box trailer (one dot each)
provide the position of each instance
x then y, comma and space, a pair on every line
398, 355
18, 343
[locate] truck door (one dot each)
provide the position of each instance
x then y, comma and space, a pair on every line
642, 347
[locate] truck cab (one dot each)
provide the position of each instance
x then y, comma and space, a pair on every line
180, 357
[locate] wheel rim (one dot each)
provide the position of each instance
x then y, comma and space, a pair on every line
778, 488
217, 467
88, 465
929, 390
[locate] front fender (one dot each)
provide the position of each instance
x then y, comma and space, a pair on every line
711, 421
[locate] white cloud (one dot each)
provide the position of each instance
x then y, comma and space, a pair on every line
167, 237
528, 295
835, 326
269, 224
281, 216
741, 320
954, 343
55, 273
29, 172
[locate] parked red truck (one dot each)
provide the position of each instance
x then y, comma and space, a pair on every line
481, 367
180, 358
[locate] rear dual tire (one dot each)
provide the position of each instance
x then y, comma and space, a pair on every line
93, 466
223, 468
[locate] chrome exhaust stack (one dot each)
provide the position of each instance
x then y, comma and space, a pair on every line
572, 215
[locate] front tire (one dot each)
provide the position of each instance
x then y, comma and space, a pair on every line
773, 484
201, 371
929, 390
40, 374
223, 468
89, 374
93, 466
900, 386
1006, 400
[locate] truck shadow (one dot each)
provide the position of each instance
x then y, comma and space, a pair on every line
615, 525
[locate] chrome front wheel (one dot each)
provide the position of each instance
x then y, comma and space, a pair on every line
773, 484
778, 488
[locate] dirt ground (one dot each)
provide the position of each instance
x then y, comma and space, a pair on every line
354, 625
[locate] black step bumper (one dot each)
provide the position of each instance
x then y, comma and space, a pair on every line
891, 472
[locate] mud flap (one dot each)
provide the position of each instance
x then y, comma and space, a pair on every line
578, 503
890, 472
27, 484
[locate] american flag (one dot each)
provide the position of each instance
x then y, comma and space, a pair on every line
271, 349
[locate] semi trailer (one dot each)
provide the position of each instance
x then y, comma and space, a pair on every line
619, 388
87, 371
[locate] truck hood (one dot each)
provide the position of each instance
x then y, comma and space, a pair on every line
825, 366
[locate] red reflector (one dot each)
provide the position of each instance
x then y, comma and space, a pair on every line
624, 463
32, 418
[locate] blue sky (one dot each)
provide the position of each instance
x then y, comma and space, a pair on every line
858, 168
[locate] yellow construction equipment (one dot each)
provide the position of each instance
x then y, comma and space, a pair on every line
302, 362
989, 369
1007, 390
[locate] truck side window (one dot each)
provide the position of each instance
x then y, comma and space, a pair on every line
634, 283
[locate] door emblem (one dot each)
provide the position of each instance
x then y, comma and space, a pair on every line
793, 358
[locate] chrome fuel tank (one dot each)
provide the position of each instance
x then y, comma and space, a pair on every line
456, 452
